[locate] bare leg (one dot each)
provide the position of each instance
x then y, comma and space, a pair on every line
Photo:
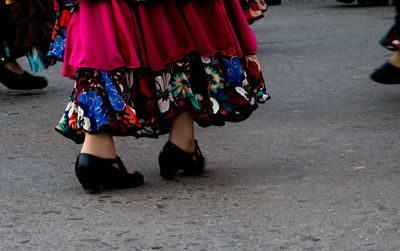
100, 145
395, 59
171, 159
182, 132
14, 67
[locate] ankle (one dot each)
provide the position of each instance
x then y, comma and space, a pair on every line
186, 145
100, 145
99, 154
14, 67
395, 59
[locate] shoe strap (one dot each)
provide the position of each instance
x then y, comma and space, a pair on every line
117, 160
196, 153
121, 165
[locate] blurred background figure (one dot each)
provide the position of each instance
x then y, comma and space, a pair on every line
367, 2
26, 28
389, 73
253, 9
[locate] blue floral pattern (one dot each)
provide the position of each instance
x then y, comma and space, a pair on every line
234, 72
57, 46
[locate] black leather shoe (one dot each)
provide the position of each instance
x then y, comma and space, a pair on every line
387, 74
23, 81
94, 172
172, 159
120, 178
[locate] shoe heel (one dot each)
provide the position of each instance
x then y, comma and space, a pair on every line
167, 169
168, 166
89, 184
172, 159
86, 174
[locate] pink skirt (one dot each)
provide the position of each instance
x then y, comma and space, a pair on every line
111, 34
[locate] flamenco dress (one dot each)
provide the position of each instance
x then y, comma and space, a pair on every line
137, 65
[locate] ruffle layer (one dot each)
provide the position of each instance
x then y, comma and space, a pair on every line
142, 103
111, 34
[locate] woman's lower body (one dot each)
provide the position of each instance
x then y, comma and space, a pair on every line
25, 31
389, 72
136, 75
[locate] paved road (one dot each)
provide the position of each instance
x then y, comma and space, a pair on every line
315, 168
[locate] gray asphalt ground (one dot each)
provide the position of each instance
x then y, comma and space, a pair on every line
316, 168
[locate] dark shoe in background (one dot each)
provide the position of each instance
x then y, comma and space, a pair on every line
274, 2
379, 2
387, 74
23, 81
346, 1
367, 2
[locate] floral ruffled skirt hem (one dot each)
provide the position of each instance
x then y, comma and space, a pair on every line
143, 103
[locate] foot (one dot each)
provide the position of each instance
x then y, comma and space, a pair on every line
387, 74
23, 81
94, 172
173, 159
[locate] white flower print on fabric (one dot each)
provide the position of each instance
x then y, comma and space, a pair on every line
163, 91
